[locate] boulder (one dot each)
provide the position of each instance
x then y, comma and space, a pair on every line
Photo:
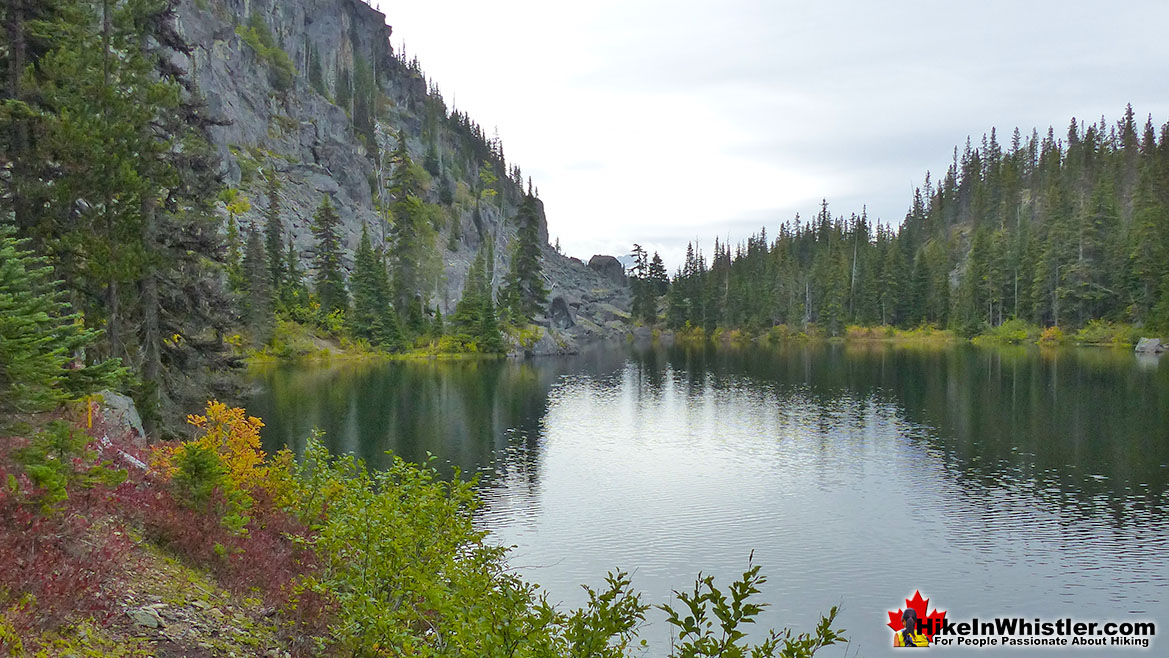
1150, 346
608, 267
552, 344
560, 314
120, 415
147, 617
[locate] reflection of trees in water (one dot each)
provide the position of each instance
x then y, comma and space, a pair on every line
1084, 427
472, 413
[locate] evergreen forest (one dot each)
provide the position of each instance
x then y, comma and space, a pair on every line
1047, 230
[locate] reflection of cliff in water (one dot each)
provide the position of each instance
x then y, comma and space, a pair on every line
1082, 427
470, 412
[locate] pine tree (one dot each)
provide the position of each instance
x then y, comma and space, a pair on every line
119, 183
524, 288
330, 281
258, 289
41, 338
488, 336
293, 295
644, 297
474, 320
368, 300
373, 316
412, 254
658, 276
274, 235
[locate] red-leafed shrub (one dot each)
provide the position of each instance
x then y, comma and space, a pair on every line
52, 565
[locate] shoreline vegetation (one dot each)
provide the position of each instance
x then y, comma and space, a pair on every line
1096, 333
293, 342
211, 547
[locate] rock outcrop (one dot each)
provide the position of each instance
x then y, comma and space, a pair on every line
608, 267
329, 133
1150, 346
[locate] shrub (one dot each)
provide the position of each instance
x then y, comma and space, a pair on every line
709, 622
1052, 336
198, 474
60, 551
1102, 332
281, 71
779, 333
1011, 332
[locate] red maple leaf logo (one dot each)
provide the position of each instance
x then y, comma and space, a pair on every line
930, 623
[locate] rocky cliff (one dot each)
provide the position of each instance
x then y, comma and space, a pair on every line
323, 122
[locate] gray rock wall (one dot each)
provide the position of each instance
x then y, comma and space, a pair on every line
311, 146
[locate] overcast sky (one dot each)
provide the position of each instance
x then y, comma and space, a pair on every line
661, 122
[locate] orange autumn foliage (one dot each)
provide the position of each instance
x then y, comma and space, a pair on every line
234, 436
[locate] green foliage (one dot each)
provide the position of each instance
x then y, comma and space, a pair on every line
711, 623
330, 280
199, 473
1102, 332
1011, 332
524, 293
474, 322
274, 237
281, 72
413, 258
1047, 231
58, 458
645, 287
408, 570
258, 298
365, 90
109, 176
40, 336
373, 319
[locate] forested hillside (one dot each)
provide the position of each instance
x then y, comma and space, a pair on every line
214, 177
1050, 230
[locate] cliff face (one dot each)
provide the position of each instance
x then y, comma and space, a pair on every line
327, 127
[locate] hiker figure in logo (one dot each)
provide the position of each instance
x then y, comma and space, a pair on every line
909, 636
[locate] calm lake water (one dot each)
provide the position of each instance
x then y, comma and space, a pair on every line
998, 482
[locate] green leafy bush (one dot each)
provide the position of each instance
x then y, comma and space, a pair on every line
1102, 332
1011, 332
400, 556
711, 622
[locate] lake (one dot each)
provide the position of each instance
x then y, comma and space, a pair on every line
998, 482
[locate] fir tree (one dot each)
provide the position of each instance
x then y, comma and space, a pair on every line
474, 320
330, 281
644, 290
524, 288
657, 275
40, 336
274, 235
373, 317
293, 295
119, 184
258, 289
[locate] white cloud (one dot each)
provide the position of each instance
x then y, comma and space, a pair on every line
659, 122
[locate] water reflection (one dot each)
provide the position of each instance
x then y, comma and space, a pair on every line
1020, 481
466, 413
